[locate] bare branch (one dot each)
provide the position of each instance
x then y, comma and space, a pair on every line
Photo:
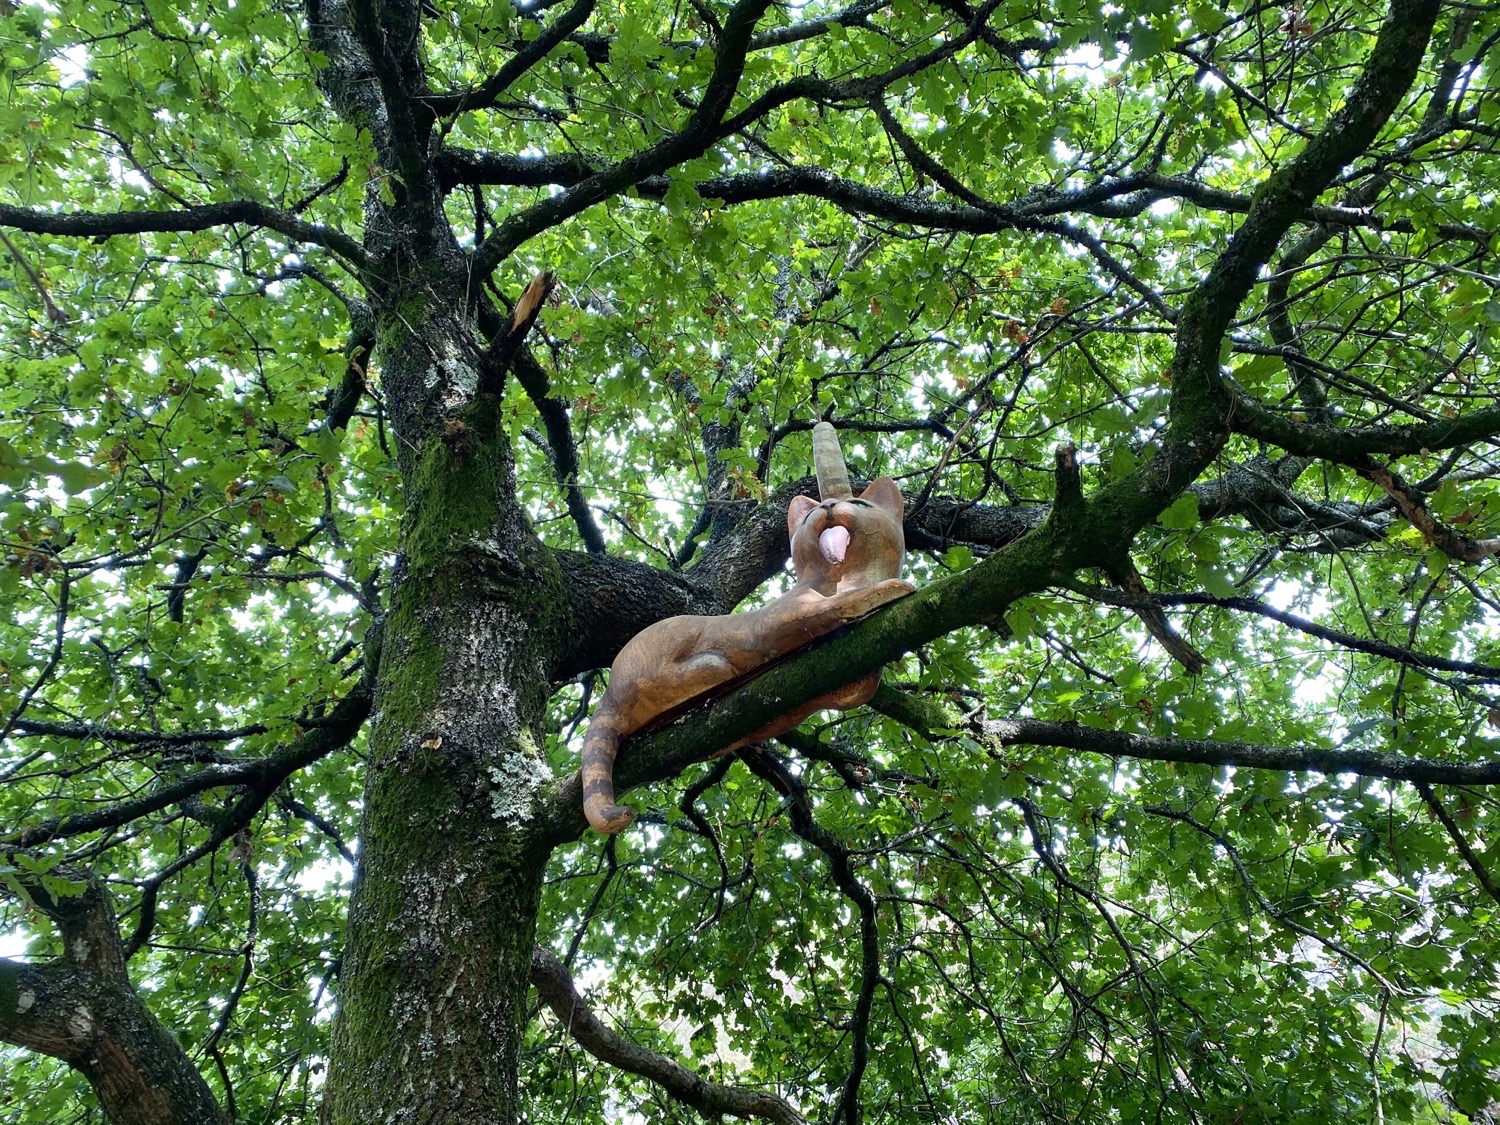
1486, 880
766, 767
506, 341
54, 313
1303, 625
702, 129
1281, 917
85, 224
484, 95
712, 1099
1208, 751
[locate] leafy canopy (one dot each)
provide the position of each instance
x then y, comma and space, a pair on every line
975, 260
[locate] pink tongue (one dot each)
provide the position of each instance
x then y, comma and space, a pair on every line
833, 543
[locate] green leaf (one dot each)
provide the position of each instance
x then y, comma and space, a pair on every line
1181, 514
958, 558
77, 477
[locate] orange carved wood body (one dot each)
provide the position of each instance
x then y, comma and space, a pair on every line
847, 553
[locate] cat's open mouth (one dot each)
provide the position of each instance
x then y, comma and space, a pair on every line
834, 542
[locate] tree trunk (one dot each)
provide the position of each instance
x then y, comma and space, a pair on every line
441, 926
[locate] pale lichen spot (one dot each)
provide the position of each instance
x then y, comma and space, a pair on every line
81, 1022
516, 779
462, 377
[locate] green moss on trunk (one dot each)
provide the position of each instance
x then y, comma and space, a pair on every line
443, 915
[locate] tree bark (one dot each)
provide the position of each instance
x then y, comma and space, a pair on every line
82, 1009
443, 915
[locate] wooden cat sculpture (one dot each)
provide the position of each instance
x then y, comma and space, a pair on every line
847, 554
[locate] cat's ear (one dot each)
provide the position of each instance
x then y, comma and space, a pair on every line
883, 493
797, 511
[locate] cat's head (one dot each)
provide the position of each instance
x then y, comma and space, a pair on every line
847, 544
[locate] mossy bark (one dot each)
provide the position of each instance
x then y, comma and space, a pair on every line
442, 921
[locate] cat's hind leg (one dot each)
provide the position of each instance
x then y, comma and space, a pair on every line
671, 685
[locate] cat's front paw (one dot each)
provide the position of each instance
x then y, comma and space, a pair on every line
868, 600
891, 589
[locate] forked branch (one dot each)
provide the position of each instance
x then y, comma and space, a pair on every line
82, 1009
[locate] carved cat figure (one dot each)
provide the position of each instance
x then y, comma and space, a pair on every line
847, 553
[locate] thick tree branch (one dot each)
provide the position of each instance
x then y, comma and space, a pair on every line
389, 30
705, 126
82, 1010
129, 737
1352, 445
465, 166
613, 599
861, 199
1203, 409
853, 16
712, 1099
975, 597
1260, 490
1411, 504
85, 224
610, 600
731, 567
850, 91
1123, 197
